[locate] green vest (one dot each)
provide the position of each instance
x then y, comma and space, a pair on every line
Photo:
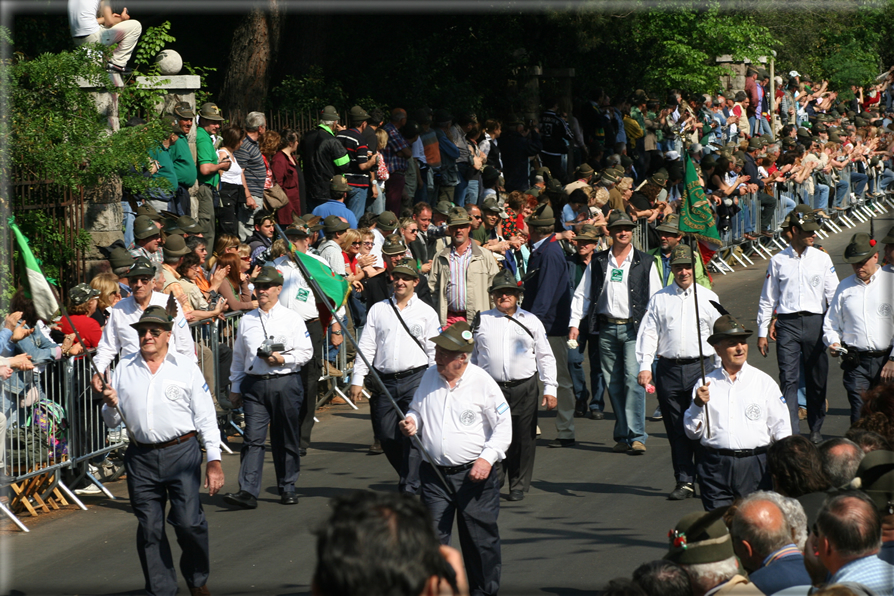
701, 275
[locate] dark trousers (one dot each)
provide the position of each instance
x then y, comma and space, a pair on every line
554, 163
673, 385
230, 197
861, 378
799, 341
274, 402
579, 380
476, 505
519, 463
394, 191
768, 210
401, 451
154, 477
310, 379
725, 478
182, 204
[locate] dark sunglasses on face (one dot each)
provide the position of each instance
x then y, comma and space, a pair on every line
153, 331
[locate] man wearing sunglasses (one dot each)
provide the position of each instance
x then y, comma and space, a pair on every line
118, 338
167, 405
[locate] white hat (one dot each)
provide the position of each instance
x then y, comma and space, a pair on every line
671, 155
794, 73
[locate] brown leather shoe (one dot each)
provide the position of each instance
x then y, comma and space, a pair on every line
202, 591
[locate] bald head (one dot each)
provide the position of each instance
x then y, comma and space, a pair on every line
759, 528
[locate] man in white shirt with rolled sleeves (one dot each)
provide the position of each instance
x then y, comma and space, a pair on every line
669, 332
395, 341
800, 283
511, 345
271, 347
860, 320
166, 403
735, 415
464, 424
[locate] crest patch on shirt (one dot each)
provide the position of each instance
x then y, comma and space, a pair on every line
502, 407
884, 310
302, 295
416, 330
815, 281
753, 412
467, 418
173, 392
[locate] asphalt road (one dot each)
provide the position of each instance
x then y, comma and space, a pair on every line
591, 514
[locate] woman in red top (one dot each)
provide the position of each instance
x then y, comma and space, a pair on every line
285, 173
82, 301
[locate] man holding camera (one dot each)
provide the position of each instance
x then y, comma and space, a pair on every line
272, 345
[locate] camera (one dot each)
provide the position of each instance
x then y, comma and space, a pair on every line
266, 349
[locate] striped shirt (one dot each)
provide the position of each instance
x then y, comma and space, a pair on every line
456, 283
138, 251
252, 162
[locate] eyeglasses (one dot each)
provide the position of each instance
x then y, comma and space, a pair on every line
413, 231
476, 217
356, 243
153, 331
369, 244
246, 259
135, 281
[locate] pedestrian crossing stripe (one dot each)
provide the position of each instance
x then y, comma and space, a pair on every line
502, 407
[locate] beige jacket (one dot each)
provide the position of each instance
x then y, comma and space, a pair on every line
738, 586
482, 269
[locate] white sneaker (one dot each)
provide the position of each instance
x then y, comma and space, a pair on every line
91, 489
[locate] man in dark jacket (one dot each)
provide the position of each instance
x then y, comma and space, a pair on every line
548, 297
323, 157
517, 144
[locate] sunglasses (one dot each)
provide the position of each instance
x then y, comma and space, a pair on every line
476, 217
356, 243
153, 331
369, 244
246, 259
140, 280
413, 231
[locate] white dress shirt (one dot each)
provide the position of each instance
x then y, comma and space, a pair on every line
747, 413
508, 353
668, 329
119, 338
615, 295
165, 405
287, 328
296, 294
376, 251
388, 346
459, 425
804, 283
861, 314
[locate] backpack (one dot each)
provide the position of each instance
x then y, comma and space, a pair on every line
27, 446
49, 418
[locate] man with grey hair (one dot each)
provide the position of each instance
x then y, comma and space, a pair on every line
324, 157
762, 539
840, 458
249, 157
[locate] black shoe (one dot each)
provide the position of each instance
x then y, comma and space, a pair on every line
684, 490
289, 498
375, 448
515, 495
562, 443
596, 415
124, 70
241, 499
816, 438
302, 452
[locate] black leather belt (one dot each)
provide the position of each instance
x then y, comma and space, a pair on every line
273, 376
738, 453
402, 374
872, 353
515, 383
681, 360
311, 320
800, 313
456, 469
614, 321
171, 443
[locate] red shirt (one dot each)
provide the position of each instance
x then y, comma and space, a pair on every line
87, 327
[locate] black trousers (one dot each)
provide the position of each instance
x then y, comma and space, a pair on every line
799, 340
476, 506
401, 451
230, 196
554, 163
725, 478
154, 477
275, 403
673, 385
768, 210
519, 463
310, 379
861, 378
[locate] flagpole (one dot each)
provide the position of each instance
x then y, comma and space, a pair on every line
321, 297
693, 244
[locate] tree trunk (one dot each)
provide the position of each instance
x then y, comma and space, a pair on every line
253, 54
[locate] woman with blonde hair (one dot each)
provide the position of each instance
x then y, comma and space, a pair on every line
109, 295
223, 244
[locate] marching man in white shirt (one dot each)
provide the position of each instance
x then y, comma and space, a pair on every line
271, 347
861, 321
669, 332
464, 424
511, 345
736, 415
800, 283
395, 341
166, 403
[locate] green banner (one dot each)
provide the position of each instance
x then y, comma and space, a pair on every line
696, 215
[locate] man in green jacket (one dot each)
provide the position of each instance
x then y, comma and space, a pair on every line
208, 169
181, 155
670, 235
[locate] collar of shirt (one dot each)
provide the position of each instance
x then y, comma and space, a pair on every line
785, 551
739, 375
612, 260
537, 244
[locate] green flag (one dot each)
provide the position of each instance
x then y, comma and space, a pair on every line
37, 288
696, 215
333, 285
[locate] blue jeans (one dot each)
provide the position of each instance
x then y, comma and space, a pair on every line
356, 200
788, 203
887, 179
759, 126
578, 378
378, 204
617, 355
129, 216
459, 191
843, 187
821, 196
472, 187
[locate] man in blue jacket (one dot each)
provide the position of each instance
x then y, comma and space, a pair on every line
548, 297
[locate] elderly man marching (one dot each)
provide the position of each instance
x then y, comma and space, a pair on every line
395, 341
166, 403
859, 325
669, 332
464, 424
511, 345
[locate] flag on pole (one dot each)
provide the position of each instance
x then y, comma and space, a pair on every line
333, 285
696, 216
37, 288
